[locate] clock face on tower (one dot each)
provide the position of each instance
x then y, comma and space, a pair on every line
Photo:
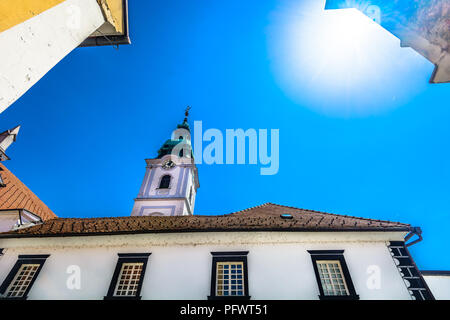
169, 164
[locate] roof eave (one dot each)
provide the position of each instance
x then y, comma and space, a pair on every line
85, 234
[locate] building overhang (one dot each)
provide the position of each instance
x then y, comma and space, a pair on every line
115, 30
14, 219
202, 238
421, 25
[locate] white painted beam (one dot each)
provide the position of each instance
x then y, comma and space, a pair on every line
30, 49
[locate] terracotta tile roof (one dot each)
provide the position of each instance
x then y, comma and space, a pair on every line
262, 218
16, 195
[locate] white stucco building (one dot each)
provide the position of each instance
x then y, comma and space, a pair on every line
164, 251
37, 35
439, 283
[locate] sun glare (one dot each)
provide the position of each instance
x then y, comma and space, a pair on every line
335, 47
339, 42
334, 53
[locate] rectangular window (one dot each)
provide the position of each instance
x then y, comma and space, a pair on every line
230, 280
128, 276
229, 276
129, 279
332, 275
22, 276
332, 278
22, 281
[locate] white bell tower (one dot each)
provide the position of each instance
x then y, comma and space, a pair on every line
171, 179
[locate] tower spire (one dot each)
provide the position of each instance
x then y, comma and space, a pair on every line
6, 139
171, 179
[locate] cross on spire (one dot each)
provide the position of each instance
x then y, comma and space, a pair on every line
186, 113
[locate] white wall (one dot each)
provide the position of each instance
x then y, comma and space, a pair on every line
30, 49
439, 286
8, 219
165, 207
167, 202
179, 266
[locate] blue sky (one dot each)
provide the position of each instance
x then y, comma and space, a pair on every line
362, 132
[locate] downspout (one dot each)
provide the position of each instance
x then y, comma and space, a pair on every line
414, 231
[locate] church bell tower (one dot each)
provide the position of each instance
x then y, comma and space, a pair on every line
171, 179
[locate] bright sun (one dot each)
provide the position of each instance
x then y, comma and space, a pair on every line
339, 43
333, 47
333, 53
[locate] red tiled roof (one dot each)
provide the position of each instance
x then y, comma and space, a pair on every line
16, 195
261, 218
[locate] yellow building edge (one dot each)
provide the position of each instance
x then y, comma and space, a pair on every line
14, 12
113, 13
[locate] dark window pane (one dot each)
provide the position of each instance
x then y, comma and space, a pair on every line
165, 182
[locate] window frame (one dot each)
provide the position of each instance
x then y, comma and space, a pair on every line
333, 255
127, 258
21, 260
237, 256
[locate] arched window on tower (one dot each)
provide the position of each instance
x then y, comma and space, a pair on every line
165, 182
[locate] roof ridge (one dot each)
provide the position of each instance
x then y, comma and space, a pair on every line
244, 210
86, 219
336, 214
259, 220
